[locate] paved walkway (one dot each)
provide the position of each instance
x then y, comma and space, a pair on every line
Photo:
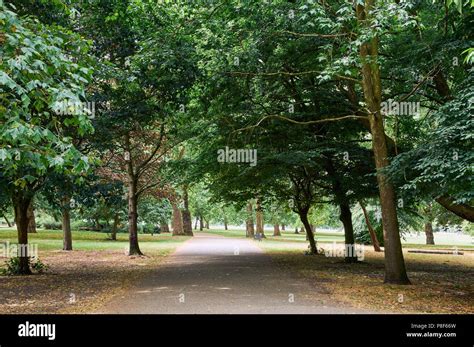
214, 274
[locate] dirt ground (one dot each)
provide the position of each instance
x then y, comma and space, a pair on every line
76, 281
82, 281
440, 283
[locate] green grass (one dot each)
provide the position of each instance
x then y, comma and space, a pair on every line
288, 241
285, 235
86, 240
447, 247
291, 241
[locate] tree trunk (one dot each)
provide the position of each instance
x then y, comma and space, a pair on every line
276, 230
66, 224
31, 219
207, 224
164, 228
6, 220
259, 218
21, 217
373, 235
201, 223
296, 230
395, 271
187, 224
196, 223
346, 218
461, 210
187, 220
309, 232
249, 222
283, 227
177, 222
429, 233
113, 235
225, 223
134, 248
97, 224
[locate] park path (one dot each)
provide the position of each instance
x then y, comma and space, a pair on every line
214, 274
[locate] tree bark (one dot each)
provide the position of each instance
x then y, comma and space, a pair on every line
276, 230
164, 228
429, 233
196, 223
259, 218
441, 85
31, 219
283, 227
97, 224
6, 220
177, 222
395, 271
66, 224
21, 204
309, 232
345, 217
187, 220
134, 248
249, 221
187, 226
201, 223
226, 227
373, 235
462, 210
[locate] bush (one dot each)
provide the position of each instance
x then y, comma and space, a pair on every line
50, 225
39, 266
13, 266
79, 224
148, 229
468, 227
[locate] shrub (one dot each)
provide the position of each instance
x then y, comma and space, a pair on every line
48, 223
13, 266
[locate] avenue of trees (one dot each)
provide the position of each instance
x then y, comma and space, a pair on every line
358, 114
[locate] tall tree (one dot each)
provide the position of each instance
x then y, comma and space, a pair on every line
38, 76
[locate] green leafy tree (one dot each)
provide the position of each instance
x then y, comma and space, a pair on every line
36, 75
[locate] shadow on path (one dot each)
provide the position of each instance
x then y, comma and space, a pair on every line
215, 274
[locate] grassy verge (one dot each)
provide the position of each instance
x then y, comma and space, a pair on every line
80, 281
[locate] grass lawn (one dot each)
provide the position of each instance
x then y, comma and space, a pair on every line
440, 283
285, 235
79, 281
327, 237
